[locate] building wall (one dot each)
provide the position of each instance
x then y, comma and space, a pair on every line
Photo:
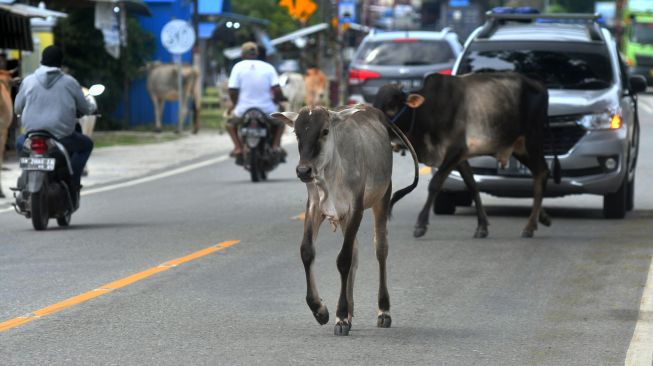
141, 110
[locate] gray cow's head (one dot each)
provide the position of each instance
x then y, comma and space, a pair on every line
391, 99
315, 142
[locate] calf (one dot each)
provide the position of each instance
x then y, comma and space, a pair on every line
452, 118
345, 159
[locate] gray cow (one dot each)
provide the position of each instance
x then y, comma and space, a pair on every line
345, 159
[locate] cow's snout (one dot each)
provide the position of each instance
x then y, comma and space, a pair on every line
304, 173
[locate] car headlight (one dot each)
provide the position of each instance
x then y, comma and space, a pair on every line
608, 120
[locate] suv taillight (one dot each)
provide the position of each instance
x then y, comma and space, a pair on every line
445, 72
38, 145
357, 77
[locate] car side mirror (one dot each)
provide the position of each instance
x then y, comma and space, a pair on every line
637, 83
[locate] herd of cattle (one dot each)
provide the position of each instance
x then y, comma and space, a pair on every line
345, 159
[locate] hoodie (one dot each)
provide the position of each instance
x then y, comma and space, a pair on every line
50, 100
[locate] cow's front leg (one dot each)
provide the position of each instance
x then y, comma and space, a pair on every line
467, 175
158, 109
312, 222
435, 185
344, 262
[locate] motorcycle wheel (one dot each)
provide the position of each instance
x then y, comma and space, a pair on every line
254, 168
39, 209
64, 220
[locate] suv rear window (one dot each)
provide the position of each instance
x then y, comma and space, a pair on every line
405, 52
574, 68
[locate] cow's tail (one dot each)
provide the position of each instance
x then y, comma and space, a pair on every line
404, 191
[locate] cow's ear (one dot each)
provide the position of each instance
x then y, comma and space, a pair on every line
288, 118
414, 100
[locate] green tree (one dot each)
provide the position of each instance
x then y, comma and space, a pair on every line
89, 63
280, 22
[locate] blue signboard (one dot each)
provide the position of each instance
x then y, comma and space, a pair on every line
458, 3
213, 7
347, 11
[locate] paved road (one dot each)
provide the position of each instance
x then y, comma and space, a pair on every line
569, 296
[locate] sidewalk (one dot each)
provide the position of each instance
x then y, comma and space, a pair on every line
119, 163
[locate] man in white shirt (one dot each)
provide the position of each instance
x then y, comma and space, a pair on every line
253, 84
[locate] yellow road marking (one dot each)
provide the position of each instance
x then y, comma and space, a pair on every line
425, 170
109, 287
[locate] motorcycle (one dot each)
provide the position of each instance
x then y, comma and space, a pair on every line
256, 132
44, 189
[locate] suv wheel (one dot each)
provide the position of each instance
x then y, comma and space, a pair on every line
445, 203
615, 204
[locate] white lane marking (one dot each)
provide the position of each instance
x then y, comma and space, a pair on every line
640, 350
182, 169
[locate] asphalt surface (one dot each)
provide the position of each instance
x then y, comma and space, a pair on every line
569, 296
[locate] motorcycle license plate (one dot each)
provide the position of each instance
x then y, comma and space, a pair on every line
46, 164
253, 132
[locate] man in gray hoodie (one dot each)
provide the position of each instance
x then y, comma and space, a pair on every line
50, 100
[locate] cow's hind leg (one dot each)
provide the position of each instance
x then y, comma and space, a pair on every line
381, 210
467, 175
435, 185
537, 165
312, 222
344, 262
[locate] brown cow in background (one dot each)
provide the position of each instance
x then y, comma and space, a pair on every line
315, 87
6, 113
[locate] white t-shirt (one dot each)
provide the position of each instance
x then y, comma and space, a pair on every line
254, 79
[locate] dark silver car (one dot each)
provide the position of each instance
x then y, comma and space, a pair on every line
592, 108
399, 57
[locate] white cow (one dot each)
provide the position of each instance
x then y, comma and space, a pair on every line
292, 86
162, 86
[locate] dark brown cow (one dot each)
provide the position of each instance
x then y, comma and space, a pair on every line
452, 118
345, 159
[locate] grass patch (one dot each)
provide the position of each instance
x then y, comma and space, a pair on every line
117, 138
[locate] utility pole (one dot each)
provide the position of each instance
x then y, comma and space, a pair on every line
620, 5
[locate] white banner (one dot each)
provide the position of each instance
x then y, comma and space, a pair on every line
105, 21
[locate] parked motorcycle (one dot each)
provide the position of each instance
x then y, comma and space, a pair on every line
257, 134
45, 187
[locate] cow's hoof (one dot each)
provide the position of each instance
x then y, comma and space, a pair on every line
384, 321
342, 328
322, 315
419, 232
545, 219
527, 234
481, 233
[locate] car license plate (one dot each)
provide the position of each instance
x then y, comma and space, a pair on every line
516, 168
253, 132
513, 168
650, 72
46, 164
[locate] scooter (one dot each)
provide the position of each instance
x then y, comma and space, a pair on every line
44, 189
257, 134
